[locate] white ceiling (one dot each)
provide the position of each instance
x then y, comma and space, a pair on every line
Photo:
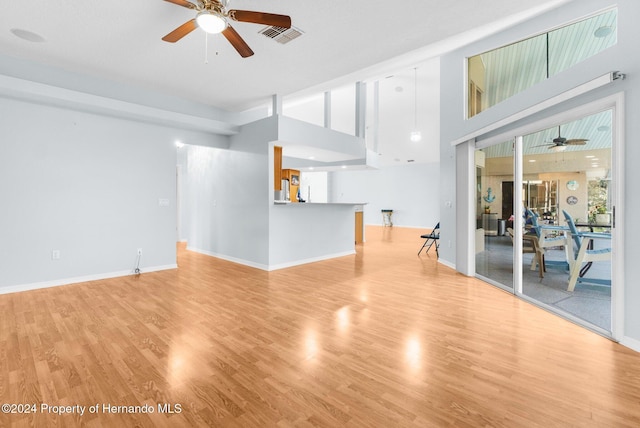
121, 41
343, 42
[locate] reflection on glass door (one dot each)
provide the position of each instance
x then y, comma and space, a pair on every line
494, 214
567, 178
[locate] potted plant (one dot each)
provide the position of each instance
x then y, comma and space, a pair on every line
487, 209
602, 216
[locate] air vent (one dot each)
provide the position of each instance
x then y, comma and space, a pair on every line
282, 35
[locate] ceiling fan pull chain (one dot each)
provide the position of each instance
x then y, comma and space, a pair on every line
206, 48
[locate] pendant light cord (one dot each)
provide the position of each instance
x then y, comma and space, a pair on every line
415, 98
415, 134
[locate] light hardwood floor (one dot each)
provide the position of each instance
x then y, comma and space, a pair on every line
380, 339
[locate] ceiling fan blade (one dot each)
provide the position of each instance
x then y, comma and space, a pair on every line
181, 31
545, 145
237, 42
577, 141
183, 3
283, 21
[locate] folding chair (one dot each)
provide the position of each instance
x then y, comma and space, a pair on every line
430, 239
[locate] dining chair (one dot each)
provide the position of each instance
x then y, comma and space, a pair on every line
530, 245
585, 253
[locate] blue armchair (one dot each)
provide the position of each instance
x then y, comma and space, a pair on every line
585, 253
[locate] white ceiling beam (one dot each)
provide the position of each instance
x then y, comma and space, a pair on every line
12, 87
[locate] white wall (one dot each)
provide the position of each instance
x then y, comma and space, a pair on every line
228, 196
412, 191
343, 109
314, 183
621, 57
312, 109
86, 185
309, 110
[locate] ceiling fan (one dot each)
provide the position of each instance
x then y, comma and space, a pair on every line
560, 143
213, 17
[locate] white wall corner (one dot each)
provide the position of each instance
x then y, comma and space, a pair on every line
631, 343
447, 264
229, 258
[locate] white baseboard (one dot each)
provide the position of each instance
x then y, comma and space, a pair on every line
447, 264
270, 267
631, 343
403, 226
415, 227
229, 258
77, 279
310, 260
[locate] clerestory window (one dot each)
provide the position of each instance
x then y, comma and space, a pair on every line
501, 73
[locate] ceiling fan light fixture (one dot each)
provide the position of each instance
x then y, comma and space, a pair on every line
559, 148
603, 31
210, 22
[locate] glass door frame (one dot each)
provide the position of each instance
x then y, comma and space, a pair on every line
517, 246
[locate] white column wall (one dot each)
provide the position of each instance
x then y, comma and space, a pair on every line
228, 196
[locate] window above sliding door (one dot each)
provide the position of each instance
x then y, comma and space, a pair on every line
499, 74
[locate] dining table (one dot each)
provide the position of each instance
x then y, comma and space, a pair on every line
593, 226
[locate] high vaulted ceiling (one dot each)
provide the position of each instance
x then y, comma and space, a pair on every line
343, 40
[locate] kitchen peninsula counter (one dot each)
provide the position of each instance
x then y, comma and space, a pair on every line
319, 203
311, 232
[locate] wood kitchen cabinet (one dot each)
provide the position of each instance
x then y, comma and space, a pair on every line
359, 227
293, 177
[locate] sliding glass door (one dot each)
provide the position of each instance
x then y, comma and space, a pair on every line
567, 173
544, 217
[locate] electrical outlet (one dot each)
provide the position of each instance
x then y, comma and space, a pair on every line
55, 254
139, 251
